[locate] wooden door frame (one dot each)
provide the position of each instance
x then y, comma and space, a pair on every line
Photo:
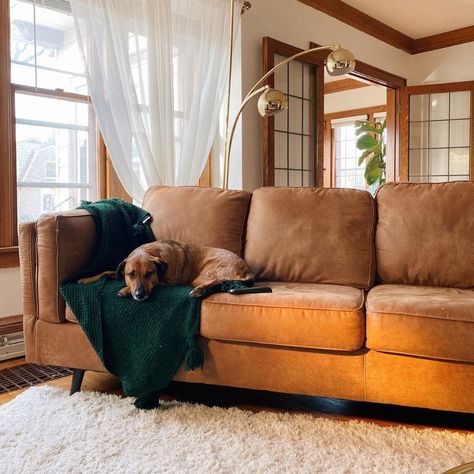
394, 84
329, 139
405, 94
271, 47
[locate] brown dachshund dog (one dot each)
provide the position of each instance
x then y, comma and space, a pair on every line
168, 262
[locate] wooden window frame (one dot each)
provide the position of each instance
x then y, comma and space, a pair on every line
329, 148
9, 256
405, 94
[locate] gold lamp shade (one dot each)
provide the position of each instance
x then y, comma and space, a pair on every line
271, 102
340, 61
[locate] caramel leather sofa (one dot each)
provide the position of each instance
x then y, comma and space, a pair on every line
372, 300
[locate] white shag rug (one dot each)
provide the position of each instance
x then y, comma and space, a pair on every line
44, 430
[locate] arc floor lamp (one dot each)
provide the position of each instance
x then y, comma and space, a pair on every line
271, 101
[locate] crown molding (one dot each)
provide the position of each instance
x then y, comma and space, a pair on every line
373, 27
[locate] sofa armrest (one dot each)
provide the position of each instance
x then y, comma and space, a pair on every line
65, 243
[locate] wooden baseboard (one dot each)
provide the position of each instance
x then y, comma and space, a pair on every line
11, 324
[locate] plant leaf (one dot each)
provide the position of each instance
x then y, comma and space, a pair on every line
374, 170
364, 142
364, 127
366, 153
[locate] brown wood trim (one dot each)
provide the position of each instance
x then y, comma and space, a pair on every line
343, 85
8, 231
270, 46
319, 129
471, 174
373, 27
378, 76
9, 257
10, 324
60, 94
438, 88
287, 50
101, 166
371, 73
404, 124
114, 186
391, 158
354, 112
443, 40
328, 155
205, 180
363, 22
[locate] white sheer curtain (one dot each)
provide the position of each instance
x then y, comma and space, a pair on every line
157, 73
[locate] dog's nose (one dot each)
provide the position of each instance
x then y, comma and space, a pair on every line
140, 293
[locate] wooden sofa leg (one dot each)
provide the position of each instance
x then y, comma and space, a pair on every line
77, 378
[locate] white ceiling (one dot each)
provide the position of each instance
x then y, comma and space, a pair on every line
419, 18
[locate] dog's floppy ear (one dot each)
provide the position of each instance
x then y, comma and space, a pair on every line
161, 268
120, 269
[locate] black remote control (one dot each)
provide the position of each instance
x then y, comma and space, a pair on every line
255, 289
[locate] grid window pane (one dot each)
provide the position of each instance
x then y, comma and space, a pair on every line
439, 106
280, 150
460, 105
439, 142
44, 49
294, 129
281, 177
53, 150
348, 173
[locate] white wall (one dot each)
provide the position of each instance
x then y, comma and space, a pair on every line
355, 99
452, 64
10, 292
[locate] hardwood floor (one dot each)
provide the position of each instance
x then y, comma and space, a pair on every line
383, 415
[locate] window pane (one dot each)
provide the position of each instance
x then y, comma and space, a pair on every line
54, 154
348, 173
460, 104
439, 106
44, 48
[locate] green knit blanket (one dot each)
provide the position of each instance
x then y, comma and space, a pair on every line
142, 343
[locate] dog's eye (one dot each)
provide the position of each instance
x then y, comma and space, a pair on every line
149, 274
131, 274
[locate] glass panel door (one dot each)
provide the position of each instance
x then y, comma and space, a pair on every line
439, 134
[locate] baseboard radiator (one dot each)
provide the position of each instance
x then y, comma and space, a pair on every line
12, 342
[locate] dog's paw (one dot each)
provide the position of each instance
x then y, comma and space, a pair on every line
197, 292
124, 292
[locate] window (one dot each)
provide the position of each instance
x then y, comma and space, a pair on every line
54, 124
346, 155
340, 146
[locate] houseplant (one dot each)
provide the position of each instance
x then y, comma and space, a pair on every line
371, 141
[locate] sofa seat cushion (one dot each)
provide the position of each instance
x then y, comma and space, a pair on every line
422, 321
306, 315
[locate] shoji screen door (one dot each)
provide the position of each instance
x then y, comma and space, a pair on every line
437, 133
293, 139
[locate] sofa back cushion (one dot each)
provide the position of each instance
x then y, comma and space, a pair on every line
425, 234
312, 236
200, 216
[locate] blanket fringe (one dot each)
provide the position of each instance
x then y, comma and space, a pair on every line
194, 358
